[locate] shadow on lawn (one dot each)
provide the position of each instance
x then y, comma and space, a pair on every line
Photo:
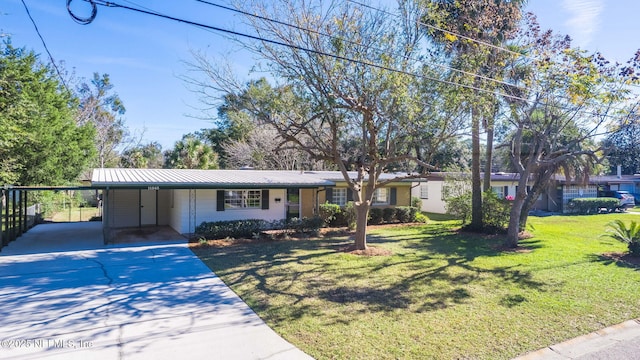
432, 271
619, 259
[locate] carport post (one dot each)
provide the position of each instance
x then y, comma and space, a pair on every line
13, 216
1, 212
105, 215
19, 229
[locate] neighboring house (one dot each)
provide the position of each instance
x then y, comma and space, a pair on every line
397, 193
183, 199
433, 189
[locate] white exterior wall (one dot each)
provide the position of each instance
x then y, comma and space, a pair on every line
206, 204
179, 210
434, 202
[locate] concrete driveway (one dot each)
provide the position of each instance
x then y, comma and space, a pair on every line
63, 294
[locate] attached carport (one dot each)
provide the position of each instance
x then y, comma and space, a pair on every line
16, 217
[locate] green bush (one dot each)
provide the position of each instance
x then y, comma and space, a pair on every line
375, 216
416, 202
349, 215
495, 212
459, 207
233, 229
406, 214
389, 215
421, 218
249, 228
305, 225
585, 206
330, 213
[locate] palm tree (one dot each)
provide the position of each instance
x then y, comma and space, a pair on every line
630, 236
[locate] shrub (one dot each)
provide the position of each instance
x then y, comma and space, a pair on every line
389, 215
375, 216
305, 225
349, 215
416, 202
234, 229
584, 206
630, 236
330, 213
421, 218
459, 207
406, 214
495, 212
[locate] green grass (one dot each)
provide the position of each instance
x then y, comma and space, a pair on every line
76, 214
441, 295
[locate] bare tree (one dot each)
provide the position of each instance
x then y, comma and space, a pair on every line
349, 96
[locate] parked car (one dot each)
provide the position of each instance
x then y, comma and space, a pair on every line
626, 198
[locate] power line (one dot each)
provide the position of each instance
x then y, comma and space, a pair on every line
442, 30
45, 47
422, 23
301, 48
224, 7
405, 57
321, 53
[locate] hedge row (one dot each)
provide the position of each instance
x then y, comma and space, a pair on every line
251, 227
335, 215
586, 206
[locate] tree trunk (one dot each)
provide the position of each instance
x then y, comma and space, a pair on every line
513, 231
362, 212
476, 184
514, 224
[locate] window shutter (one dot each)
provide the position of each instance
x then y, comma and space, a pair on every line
329, 195
265, 199
349, 194
393, 196
220, 200
506, 191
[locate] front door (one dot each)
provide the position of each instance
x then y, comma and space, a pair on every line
148, 207
293, 203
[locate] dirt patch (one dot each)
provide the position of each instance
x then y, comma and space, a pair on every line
623, 258
144, 234
369, 251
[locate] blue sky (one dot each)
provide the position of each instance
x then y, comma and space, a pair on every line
145, 55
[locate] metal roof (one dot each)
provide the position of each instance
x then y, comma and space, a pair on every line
337, 175
192, 178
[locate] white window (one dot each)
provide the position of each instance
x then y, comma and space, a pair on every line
242, 199
498, 190
424, 191
381, 196
339, 196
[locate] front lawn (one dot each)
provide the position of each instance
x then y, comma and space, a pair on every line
441, 295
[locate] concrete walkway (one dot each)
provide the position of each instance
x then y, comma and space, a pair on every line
64, 295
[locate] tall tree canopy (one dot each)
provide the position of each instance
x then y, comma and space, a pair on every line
570, 99
348, 96
40, 141
623, 144
101, 106
191, 152
473, 32
143, 156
